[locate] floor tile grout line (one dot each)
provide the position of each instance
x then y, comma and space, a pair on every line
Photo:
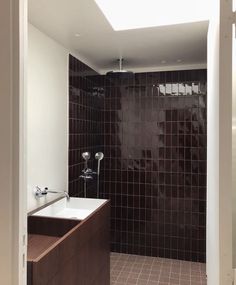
149, 276
135, 265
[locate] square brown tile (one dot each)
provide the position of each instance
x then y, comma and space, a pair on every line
144, 270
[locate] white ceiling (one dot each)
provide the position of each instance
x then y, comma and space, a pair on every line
159, 48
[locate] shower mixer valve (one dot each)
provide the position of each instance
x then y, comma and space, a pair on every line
88, 173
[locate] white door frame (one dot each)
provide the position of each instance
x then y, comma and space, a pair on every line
219, 156
234, 149
13, 212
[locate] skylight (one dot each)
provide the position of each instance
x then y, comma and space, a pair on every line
136, 14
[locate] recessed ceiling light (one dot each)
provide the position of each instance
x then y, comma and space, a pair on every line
133, 14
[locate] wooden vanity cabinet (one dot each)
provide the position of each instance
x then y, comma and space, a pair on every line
69, 252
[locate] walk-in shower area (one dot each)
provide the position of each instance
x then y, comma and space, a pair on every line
151, 128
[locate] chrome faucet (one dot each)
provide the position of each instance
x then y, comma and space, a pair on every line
58, 192
39, 192
88, 174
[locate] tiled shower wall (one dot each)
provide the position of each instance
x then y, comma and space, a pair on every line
85, 124
155, 163
152, 130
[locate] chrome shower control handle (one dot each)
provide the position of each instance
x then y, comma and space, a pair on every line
86, 177
39, 192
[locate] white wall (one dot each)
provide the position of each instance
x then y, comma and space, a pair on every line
47, 115
219, 167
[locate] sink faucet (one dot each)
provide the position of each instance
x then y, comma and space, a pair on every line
39, 192
58, 192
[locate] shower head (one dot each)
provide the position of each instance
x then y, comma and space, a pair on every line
120, 71
99, 156
86, 155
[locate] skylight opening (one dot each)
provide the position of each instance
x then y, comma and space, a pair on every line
137, 14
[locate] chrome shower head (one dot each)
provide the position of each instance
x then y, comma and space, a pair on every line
120, 71
99, 156
86, 155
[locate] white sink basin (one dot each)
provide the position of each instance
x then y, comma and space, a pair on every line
74, 208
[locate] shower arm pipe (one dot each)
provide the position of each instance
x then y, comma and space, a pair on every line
121, 63
86, 156
98, 170
98, 180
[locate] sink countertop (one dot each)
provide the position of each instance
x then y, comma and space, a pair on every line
35, 204
74, 208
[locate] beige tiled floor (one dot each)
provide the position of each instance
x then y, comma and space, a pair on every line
143, 270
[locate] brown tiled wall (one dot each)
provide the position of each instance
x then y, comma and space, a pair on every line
152, 130
155, 163
85, 123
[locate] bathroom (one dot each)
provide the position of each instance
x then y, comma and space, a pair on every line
117, 119
151, 127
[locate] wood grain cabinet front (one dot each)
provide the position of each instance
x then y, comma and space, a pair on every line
69, 252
